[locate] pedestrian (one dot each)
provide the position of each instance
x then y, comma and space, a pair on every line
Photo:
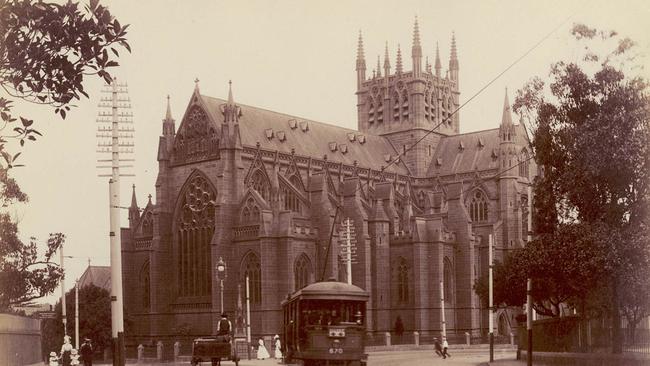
53, 360
277, 348
438, 347
86, 351
445, 347
74, 357
66, 351
262, 352
224, 327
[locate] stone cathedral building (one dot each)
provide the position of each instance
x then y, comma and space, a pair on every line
262, 190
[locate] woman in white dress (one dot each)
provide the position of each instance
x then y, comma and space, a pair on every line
262, 352
277, 347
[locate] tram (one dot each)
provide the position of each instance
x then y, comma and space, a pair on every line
324, 324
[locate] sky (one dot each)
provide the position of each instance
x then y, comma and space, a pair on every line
295, 57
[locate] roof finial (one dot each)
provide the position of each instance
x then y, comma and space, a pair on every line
398, 65
231, 100
196, 84
149, 199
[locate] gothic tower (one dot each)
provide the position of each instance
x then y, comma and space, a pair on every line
405, 106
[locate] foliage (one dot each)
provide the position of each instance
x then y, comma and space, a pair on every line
591, 135
45, 52
24, 275
94, 320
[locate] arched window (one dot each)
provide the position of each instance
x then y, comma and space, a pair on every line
396, 107
478, 207
288, 199
371, 113
405, 107
301, 272
195, 226
252, 269
447, 281
250, 213
524, 217
147, 224
145, 282
261, 184
402, 281
296, 181
524, 164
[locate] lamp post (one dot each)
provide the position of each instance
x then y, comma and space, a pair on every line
221, 275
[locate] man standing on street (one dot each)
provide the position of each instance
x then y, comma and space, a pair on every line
438, 347
86, 351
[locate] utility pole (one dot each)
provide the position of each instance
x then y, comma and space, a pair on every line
65, 321
115, 132
248, 316
442, 309
348, 247
76, 314
491, 299
529, 320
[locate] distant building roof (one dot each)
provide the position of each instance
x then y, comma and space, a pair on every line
99, 276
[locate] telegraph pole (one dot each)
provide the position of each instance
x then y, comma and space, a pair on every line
76, 314
442, 309
63, 312
349, 247
115, 132
491, 299
248, 316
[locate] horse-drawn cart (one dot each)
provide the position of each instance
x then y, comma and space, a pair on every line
213, 349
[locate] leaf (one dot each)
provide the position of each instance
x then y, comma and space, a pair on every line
62, 112
26, 122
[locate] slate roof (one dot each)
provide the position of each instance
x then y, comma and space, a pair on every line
315, 142
449, 158
99, 276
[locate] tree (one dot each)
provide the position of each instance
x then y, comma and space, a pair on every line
94, 320
46, 50
591, 135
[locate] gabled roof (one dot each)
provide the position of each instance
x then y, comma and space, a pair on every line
282, 132
471, 151
99, 276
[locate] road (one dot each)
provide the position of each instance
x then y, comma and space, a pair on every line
428, 358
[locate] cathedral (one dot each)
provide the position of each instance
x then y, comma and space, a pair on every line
265, 193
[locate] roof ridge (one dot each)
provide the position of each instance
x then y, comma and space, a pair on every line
293, 116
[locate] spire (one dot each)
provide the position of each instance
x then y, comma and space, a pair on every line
360, 56
416, 50
453, 60
168, 115
438, 66
168, 123
506, 119
386, 61
230, 110
378, 67
134, 201
398, 66
361, 63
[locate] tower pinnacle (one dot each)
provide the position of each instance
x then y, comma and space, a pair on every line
378, 67
416, 50
438, 66
361, 63
453, 60
230, 110
506, 119
398, 65
386, 61
168, 115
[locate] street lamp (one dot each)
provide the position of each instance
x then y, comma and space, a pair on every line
221, 275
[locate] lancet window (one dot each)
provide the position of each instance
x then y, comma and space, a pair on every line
524, 164
288, 199
261, 184
478, 207
524, 217
147, 224
252, 269
301, 271
195, 226
402, 281
396, 108
145, 281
